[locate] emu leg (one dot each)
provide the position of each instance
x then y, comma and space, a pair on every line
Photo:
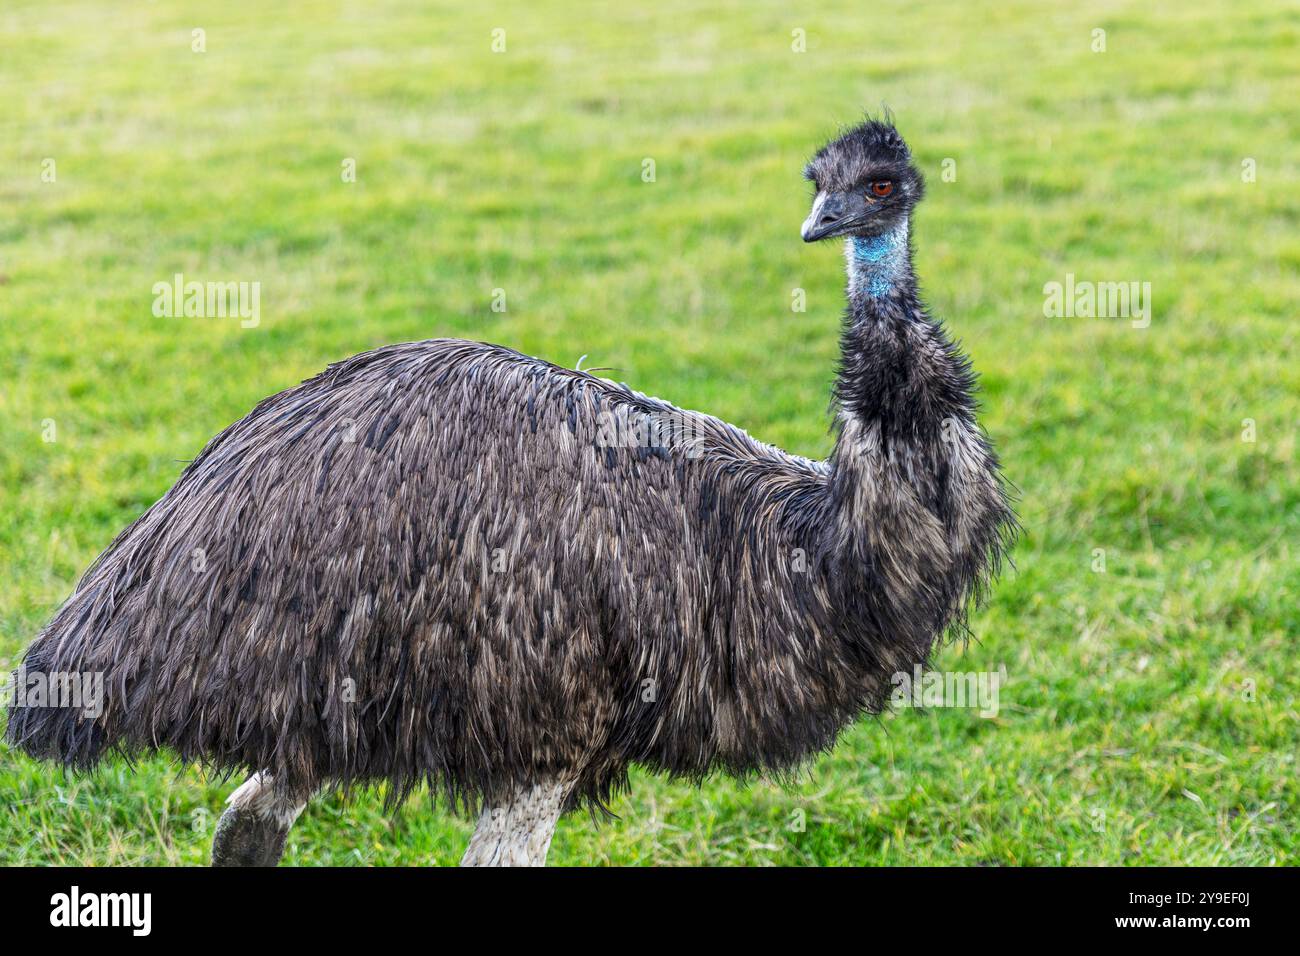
518, 832
255, 825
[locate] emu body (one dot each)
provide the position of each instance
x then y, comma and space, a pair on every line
432, 563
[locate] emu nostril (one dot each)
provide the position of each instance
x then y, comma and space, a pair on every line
824, 218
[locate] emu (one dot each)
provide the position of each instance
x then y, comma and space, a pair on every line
438, 562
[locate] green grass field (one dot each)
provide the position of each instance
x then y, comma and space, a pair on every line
1149, 714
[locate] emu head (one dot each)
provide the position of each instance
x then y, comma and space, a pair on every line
865, 183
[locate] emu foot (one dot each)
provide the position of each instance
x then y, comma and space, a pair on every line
255, 826
244, 838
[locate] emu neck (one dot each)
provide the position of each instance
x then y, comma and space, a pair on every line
899, 375
879, 265
908, 473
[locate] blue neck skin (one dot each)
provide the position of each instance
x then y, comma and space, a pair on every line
877, 263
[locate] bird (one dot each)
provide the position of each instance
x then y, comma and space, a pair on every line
449, 564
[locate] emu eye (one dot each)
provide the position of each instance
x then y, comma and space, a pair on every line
882, 188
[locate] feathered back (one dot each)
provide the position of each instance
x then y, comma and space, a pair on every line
447, 561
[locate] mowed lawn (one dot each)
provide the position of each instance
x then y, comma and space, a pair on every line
1150, 633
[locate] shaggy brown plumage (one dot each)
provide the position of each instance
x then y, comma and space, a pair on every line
451, 562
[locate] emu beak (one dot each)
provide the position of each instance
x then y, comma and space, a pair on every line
827, 213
